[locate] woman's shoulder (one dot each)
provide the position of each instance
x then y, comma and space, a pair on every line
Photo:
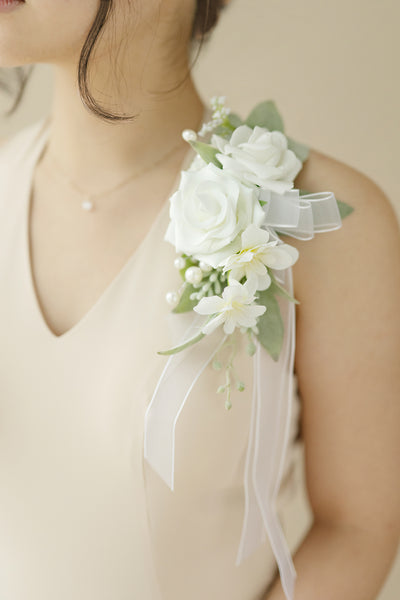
322, 171
347, 346
372, 220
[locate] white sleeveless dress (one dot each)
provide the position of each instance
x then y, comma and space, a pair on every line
82, 515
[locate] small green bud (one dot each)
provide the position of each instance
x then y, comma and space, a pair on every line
240, 386
228, 404
217, 365
251, 349
221, 389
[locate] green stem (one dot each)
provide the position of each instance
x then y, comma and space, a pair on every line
177, 349
189, 342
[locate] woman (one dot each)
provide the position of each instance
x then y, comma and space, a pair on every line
82, 515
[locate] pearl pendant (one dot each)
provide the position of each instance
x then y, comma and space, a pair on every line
87, 205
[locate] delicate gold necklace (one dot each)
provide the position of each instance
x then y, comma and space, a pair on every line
87, 204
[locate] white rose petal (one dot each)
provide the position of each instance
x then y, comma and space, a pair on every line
197, 163
258, 157
208, 213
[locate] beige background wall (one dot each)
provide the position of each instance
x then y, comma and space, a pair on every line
333, 70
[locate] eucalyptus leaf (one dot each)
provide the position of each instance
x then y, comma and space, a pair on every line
223, 131
207, 152
266, 115
344, 209
270, 324
234, 120
277, 288
177, 349
301, 150
185, 303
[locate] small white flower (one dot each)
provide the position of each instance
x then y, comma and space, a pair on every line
219, 114
256, 254
236, 308
258, 157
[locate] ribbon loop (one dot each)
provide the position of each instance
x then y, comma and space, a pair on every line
300, 216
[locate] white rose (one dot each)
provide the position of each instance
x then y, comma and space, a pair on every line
197, 163
208, 212
258, 156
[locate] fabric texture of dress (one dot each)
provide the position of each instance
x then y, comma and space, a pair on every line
82, 515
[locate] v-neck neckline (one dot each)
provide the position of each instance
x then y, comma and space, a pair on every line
36, 151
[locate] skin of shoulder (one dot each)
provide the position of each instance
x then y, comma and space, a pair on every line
348, 354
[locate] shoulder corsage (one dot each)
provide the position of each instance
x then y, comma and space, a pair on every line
232, 202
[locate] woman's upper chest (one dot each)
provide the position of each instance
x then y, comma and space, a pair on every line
76, 255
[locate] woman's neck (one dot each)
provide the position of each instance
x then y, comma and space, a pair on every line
97, 153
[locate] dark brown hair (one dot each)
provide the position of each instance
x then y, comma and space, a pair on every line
205, 18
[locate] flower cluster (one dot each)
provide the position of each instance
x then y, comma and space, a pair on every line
220, 112
218, 225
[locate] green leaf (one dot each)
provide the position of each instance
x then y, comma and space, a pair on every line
301, 150
270, 324
207, 152
277, 288
223, 131
266, 115
234, 120
226, 128
185, 303
177, 349
344, 209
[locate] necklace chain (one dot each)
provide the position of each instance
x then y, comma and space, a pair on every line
121, 184
87, 204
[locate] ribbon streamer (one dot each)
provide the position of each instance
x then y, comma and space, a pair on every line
180, 374
266, 450
299, 217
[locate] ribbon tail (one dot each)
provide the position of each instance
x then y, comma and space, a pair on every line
178, 378
268, 440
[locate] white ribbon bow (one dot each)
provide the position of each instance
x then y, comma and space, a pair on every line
272, 393
301, 216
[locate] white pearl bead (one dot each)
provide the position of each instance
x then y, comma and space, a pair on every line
180, 262
172, 298
87, 205
205, 267
189, 135
193, 275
